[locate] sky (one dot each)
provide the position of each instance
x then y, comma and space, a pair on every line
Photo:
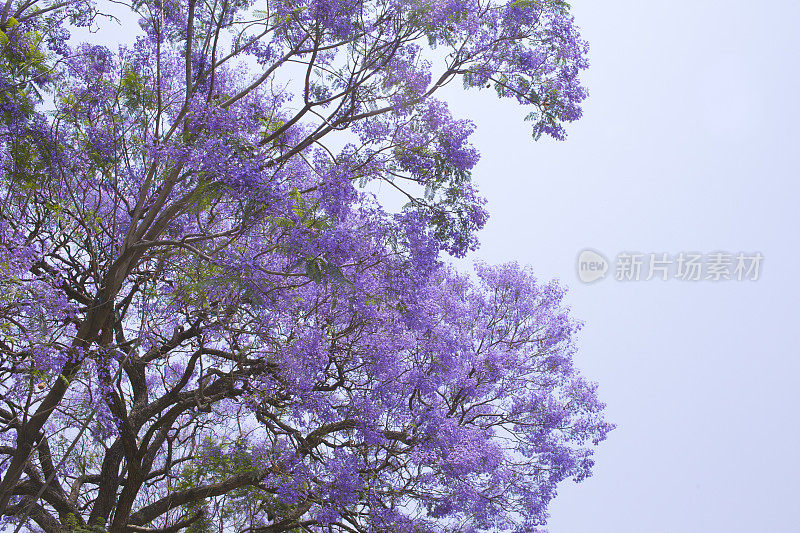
689, 143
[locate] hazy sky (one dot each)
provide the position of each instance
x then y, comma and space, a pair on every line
689, 142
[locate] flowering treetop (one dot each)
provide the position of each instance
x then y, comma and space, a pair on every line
206, 321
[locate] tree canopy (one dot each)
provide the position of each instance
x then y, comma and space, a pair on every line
208, 322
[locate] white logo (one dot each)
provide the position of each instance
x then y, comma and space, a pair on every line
592, 266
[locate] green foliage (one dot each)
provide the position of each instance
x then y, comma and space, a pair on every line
217, 461
22, 56
73, 526
205, 195
134, 91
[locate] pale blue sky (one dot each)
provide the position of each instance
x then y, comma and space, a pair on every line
689, 142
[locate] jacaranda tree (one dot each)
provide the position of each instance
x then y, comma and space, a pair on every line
207, 320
